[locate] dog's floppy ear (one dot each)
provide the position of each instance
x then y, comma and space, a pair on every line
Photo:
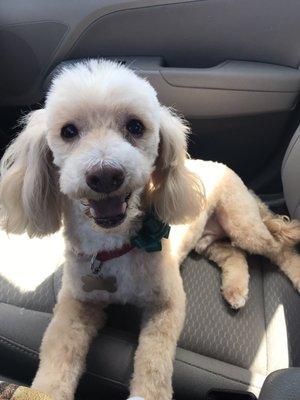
29, 194
176, 193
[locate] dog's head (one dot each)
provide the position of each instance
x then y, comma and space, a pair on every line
103, 141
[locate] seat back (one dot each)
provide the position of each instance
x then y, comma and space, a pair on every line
290, 173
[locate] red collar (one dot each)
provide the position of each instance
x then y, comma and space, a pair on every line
109, 255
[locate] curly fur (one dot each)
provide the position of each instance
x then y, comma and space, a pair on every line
43, 184
30, 199
284, 229
175, 192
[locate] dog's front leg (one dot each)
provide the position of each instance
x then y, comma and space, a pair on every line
153, 367
65, 346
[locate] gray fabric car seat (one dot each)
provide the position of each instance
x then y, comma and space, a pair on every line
283, 384
291, 175
218, 348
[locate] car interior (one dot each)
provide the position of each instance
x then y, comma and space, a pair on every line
231, 68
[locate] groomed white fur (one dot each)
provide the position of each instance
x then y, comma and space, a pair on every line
43, 183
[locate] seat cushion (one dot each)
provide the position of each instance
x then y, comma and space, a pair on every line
110, 360
283, 384
218, 348
261, 337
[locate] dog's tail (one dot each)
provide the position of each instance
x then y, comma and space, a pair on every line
285, 230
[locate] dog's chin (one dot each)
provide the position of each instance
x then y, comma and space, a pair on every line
108, 212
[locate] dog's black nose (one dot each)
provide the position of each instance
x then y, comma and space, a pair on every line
105, 179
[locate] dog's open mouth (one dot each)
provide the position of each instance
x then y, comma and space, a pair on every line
109, 211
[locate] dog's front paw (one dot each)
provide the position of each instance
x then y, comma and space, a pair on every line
235, 296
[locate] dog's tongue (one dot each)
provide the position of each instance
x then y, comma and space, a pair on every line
108, 207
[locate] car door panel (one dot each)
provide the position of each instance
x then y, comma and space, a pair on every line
230, 66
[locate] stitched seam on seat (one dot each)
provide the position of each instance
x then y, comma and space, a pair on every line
121, 340
23, 307
12, 343
34, 354
19, 347
103, 333
218, 374
113, 381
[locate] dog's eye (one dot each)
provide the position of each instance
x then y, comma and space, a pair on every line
135, 127
69, 131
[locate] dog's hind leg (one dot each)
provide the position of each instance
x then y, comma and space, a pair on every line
234, 266
241, 216
65, 346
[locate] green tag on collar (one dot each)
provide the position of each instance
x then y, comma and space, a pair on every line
152, 232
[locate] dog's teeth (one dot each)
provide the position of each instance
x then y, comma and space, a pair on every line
93, 212
124, 206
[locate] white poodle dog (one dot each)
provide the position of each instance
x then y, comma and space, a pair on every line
108, 161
